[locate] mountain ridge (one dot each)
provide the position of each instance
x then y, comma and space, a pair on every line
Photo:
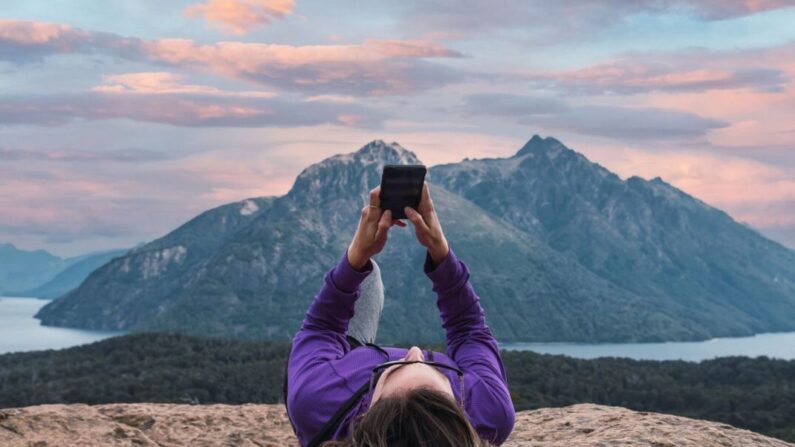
166, 254
612, 226
621, 273
72, 275
25, 269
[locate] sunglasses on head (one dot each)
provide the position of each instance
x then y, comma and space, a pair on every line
379, 369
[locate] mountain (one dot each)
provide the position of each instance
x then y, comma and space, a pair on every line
647, 237
73, 275
137, 286
260, 284
560, 249
21, 269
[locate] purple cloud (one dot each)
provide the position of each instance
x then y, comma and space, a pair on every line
506, 104
605, 121
375, 67
573, 18
681, 71
181, 110
84, 156
628, 122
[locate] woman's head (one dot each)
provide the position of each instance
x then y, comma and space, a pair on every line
412, 405
416, 417
400, 379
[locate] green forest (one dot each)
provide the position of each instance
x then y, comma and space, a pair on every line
757, 394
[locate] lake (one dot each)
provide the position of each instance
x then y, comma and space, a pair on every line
19, 331
780, 345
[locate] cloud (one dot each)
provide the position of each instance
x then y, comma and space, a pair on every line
81, 206
374, 67
337, 99
681, 71
628, 122
70, 205
505, 104
24, 41
160, 82
240, 16
761, 115
84, 156
725, 9
599, 120
574, 18
180, 110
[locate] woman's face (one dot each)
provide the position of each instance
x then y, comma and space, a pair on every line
401, 378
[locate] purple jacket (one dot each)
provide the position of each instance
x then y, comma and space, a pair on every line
323, 371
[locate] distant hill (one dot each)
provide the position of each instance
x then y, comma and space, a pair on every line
22, 270
137, 286
72, 276
560, 249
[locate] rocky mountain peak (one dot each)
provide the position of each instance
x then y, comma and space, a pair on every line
379, 152
352, 173
538, 145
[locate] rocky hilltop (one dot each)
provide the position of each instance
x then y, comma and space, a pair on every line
267, 425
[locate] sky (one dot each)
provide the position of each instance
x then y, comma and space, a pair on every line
121, 120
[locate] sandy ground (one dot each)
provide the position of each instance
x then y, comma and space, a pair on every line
168, 425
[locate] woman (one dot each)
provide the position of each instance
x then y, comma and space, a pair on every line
342, 387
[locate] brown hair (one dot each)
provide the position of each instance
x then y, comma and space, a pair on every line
419, 417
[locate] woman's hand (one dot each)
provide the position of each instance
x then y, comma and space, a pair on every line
427, 226
370, 237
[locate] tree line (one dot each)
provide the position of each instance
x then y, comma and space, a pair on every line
756, 394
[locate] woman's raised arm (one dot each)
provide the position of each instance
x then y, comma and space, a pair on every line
473, 347
322, 340
470, 342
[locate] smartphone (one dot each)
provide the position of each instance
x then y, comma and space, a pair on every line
401, 186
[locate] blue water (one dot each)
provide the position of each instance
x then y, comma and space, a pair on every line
19, 331
780, 345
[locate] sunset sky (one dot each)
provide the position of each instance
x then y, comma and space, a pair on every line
121, 120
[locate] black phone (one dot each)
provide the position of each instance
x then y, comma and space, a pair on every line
401, 186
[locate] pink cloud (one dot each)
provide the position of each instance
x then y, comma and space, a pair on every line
160, 82
240, 16
72, 205
245, 57
181, 110
83, 156
36, 33
374, 67
619, 122
750, 91
721, 9
758, 117
573, 19
23, 40
680, 71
